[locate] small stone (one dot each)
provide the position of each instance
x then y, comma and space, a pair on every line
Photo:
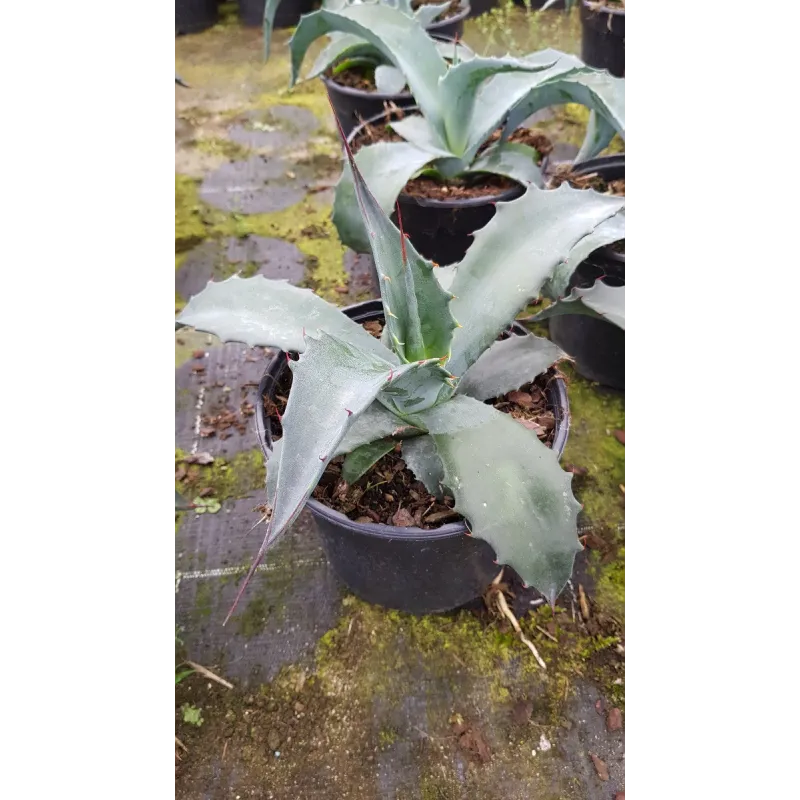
299, 707
273, 739
544, 743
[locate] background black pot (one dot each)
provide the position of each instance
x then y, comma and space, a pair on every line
411, 569
441, 230
193, 16
597, 346
354, 106
603, 37
251, 12
452, 26
478, 7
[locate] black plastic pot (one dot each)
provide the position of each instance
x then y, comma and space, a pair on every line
193, 16
603, 37
353, 107
478, 7
287, 15
597, 346
441, 230
410, 569
451, 27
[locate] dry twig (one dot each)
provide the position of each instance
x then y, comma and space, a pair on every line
208, 674
506, 611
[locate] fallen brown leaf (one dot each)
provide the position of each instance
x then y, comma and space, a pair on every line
584, 603
600, 767
575, 470
198, 368
403, 518
521, 712
520, 398
620, 436
619, 796
473, 742
199, 458
341, 289
199, 354
614, 719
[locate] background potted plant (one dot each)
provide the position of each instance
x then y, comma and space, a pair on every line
592, 332
193, 16
360, 80
421, 385
468, 138
602, 32
283, 13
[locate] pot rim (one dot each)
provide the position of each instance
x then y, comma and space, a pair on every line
369, 308
460, 17
589, 5
470, 202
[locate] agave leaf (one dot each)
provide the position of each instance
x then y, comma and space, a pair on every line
416, 130
513, 160
377, 422
428, 13
612, 230
510, 488
599, 133
341, 46
601, 301
498, 95
596, 89
333, 383
387, 168
362, 458
402, 41
418, 390
514, 254
446, 276
422, 459
417, 309
262, 312
389, 80
270, 8
459, 86
454, 51
508, 364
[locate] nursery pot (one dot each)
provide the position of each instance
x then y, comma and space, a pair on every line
451, 27
287, 15
441, 230
193, 16
410, 569
356, 106
597, 346
603, 37
478, 7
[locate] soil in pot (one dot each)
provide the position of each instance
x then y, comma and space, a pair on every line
389, 493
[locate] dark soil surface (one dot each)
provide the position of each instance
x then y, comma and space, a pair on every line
389, 492
479, 185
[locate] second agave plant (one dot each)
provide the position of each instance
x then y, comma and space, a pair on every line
411, 406
464, 148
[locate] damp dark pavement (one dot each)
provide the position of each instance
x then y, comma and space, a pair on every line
333, 698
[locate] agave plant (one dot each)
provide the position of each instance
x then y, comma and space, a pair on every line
462, 105
425, 381
347, 49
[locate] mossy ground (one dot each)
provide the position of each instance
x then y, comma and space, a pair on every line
337, 719
227, 479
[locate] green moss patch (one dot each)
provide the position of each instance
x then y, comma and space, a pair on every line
227, 479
